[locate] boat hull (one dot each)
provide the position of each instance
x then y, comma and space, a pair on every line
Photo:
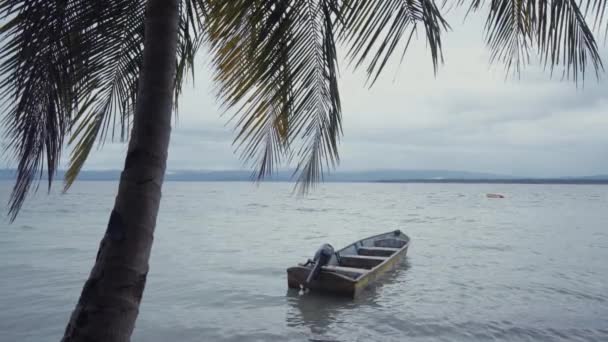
377, 274
327, 282
344, 283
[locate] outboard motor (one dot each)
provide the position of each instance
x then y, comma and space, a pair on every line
322, 257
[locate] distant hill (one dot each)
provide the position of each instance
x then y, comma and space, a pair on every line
385, 176
596, 177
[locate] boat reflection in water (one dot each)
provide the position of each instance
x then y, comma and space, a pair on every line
317, 313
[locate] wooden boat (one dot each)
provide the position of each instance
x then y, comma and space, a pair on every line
495, 196
354, 267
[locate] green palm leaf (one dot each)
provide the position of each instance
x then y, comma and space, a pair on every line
276, 64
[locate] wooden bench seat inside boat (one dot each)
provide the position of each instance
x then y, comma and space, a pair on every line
377, 251
390, 242
360, 261
348, 271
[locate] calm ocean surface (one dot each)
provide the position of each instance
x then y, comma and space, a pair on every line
530, 267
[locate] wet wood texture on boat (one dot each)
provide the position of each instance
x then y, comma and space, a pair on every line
355, 266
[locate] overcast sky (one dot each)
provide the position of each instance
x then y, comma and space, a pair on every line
470, 118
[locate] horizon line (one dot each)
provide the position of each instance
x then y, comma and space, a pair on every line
471, 178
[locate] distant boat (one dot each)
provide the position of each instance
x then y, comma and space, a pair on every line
353, 268
494, 196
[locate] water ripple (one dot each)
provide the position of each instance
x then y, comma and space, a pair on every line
530, 268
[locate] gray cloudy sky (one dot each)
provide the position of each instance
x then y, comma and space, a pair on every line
470, 117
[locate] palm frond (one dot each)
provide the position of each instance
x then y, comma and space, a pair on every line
191, 30
40, 80
557, 29
114, 60
564, 38
375, 29
597, 9
71, 68
317, 114
510, 30
250, 56
115, 72
275, 63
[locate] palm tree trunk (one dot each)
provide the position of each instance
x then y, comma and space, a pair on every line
109, 302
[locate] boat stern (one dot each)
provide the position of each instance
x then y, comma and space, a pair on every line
328, 282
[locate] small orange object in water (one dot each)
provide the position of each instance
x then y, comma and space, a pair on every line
494, 196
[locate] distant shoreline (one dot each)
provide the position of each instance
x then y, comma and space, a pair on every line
378, 176
395, 181
501, 181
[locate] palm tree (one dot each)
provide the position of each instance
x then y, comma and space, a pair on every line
86, 70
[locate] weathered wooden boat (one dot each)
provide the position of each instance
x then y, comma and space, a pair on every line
353, 268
